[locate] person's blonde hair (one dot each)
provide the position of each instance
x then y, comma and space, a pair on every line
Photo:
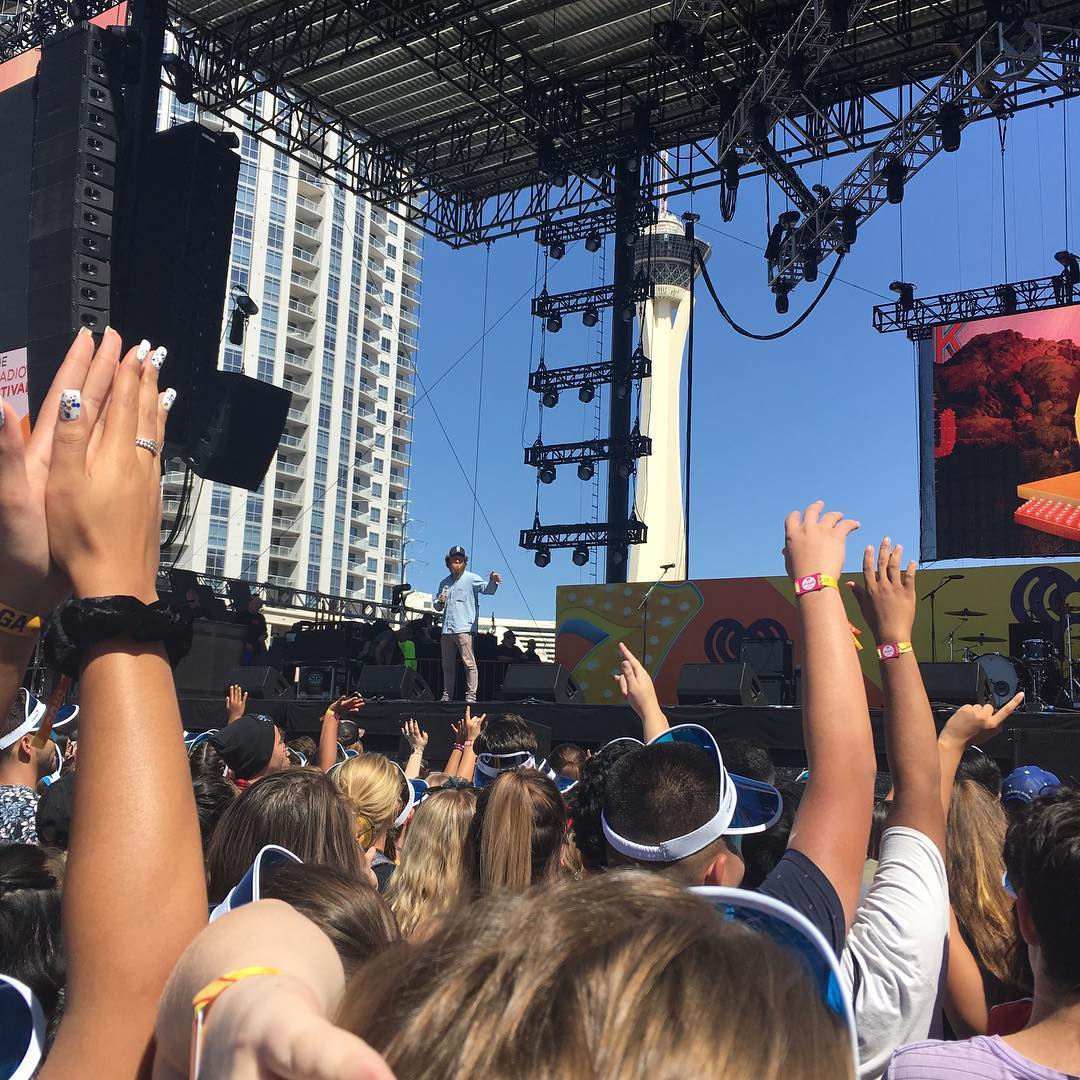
975, 861
430, 877
516, 837
616, 977
373, 785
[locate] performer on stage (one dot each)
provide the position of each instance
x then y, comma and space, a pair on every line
457, 600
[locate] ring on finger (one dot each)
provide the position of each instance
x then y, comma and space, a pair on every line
148, 444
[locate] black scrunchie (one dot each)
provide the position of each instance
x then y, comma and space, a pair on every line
76, 625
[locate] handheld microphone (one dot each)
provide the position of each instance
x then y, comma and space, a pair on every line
667, 566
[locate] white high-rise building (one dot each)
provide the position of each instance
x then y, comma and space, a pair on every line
663, 253
337, 282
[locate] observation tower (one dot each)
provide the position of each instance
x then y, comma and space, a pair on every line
662, 253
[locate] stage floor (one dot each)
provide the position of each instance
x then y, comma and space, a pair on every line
1051, 739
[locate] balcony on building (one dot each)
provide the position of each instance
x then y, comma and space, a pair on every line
284, 549
310, 184
287, 496
297, 362
413, 249
294, 442
406, 363
374, 317
304, 287
368, 389
278, 576
308, 210
299, 388
303, 311
283, 523
289, 473
378, 220
400, 458
305, 260
411, 270
307, 237
297, 417
411, 340
406, 386
299, 336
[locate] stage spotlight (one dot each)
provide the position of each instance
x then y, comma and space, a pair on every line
839, 16
542, 556
781, 302
822, 192
629, 237
236, 327
581, 555
759, 122
624, 469
550, 397
776, 238
245, 303
628, 313
905, 294
1006, 295
592, 241
894, 173
950, 119
183, 77
586, 392
586, 471
554, 322
1070, 267
810, 264
546, 474
789, 218
849, 225
590, 316
730, 165
556, 249
621, 389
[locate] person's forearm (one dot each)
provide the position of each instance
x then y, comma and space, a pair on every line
412, 766
134, 889
965, 998
950, 751
265, 934
653, 722
911, 747
453, 762
467, 764
328, 740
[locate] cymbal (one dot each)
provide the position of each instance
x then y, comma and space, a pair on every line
967, 613
982, 639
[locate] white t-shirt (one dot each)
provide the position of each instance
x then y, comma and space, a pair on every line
898, 941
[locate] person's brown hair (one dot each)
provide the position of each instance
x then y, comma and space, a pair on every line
615, 977
351, 913
300, 809
430, 876
516, 837
975, 861
568, 760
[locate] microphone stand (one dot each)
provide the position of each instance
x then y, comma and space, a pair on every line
931, 595
643, 607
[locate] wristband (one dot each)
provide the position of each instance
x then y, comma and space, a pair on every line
814, 583
18, 623
206, 997
459, 746
467, 742
78, 625
892, 650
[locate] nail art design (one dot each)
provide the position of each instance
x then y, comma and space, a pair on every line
168, 399
70, 404
142, 351
159, 356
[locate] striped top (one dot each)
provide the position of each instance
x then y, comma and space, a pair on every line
986, 1057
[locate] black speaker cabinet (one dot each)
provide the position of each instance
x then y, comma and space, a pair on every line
956, 684
392, 682
216, 649
773, 656
1050, 748
327, 682
539, 682
719, 684
259, 682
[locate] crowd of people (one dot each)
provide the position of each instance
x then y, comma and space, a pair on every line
240, 903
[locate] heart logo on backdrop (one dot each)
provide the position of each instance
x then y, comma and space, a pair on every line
723, 640
1043, 591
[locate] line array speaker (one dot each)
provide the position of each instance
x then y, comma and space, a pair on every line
719, 684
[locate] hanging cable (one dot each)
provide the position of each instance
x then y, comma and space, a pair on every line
689, 397
1065, 141
1003, 130
480, 394
777, 333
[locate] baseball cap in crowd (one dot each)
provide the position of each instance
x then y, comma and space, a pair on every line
246, 745
193, 739
54, 812
249, 888
22, 1030
488, 766
1027, 784
34, 710
743, 806
794, 931
456, 552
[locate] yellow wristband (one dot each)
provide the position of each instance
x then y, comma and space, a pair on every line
16, 622
206, 997
814, 583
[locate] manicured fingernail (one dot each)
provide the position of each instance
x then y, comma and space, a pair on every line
159, 356
142, 351
168, 399
85, 330
70, 404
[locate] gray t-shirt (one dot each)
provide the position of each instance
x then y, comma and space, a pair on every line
895, 950
986, 1057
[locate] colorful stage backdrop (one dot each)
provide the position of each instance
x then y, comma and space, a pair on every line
698, 622
998, 427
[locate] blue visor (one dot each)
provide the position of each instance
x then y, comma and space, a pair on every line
249, 887
34, 710
191, 739
22, 1030
794, 931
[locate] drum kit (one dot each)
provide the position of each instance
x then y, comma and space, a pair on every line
1048, 678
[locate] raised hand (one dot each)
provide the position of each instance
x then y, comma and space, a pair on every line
235, 703
473, 724
887, 600
103, 495
637, 687
416, 736
972, 725
497, 578
815, 542
346, 704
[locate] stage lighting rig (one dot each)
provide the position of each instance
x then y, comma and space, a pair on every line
556, 249
581, 555
544, 538
593, 226
590, 316
593, 241
905, 294
894, 173
542, 556
585, 377
586, 471
554, 323
243, 308
782, 304
550, 398
546, 474
951, 122
1006, 295
548, 305
619, 452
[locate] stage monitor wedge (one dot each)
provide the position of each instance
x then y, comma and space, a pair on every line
956, 684
392, 682
539, 682
719, 684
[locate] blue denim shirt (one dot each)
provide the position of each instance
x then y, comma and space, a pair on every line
460, 609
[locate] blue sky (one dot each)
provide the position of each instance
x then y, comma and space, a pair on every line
826, 412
